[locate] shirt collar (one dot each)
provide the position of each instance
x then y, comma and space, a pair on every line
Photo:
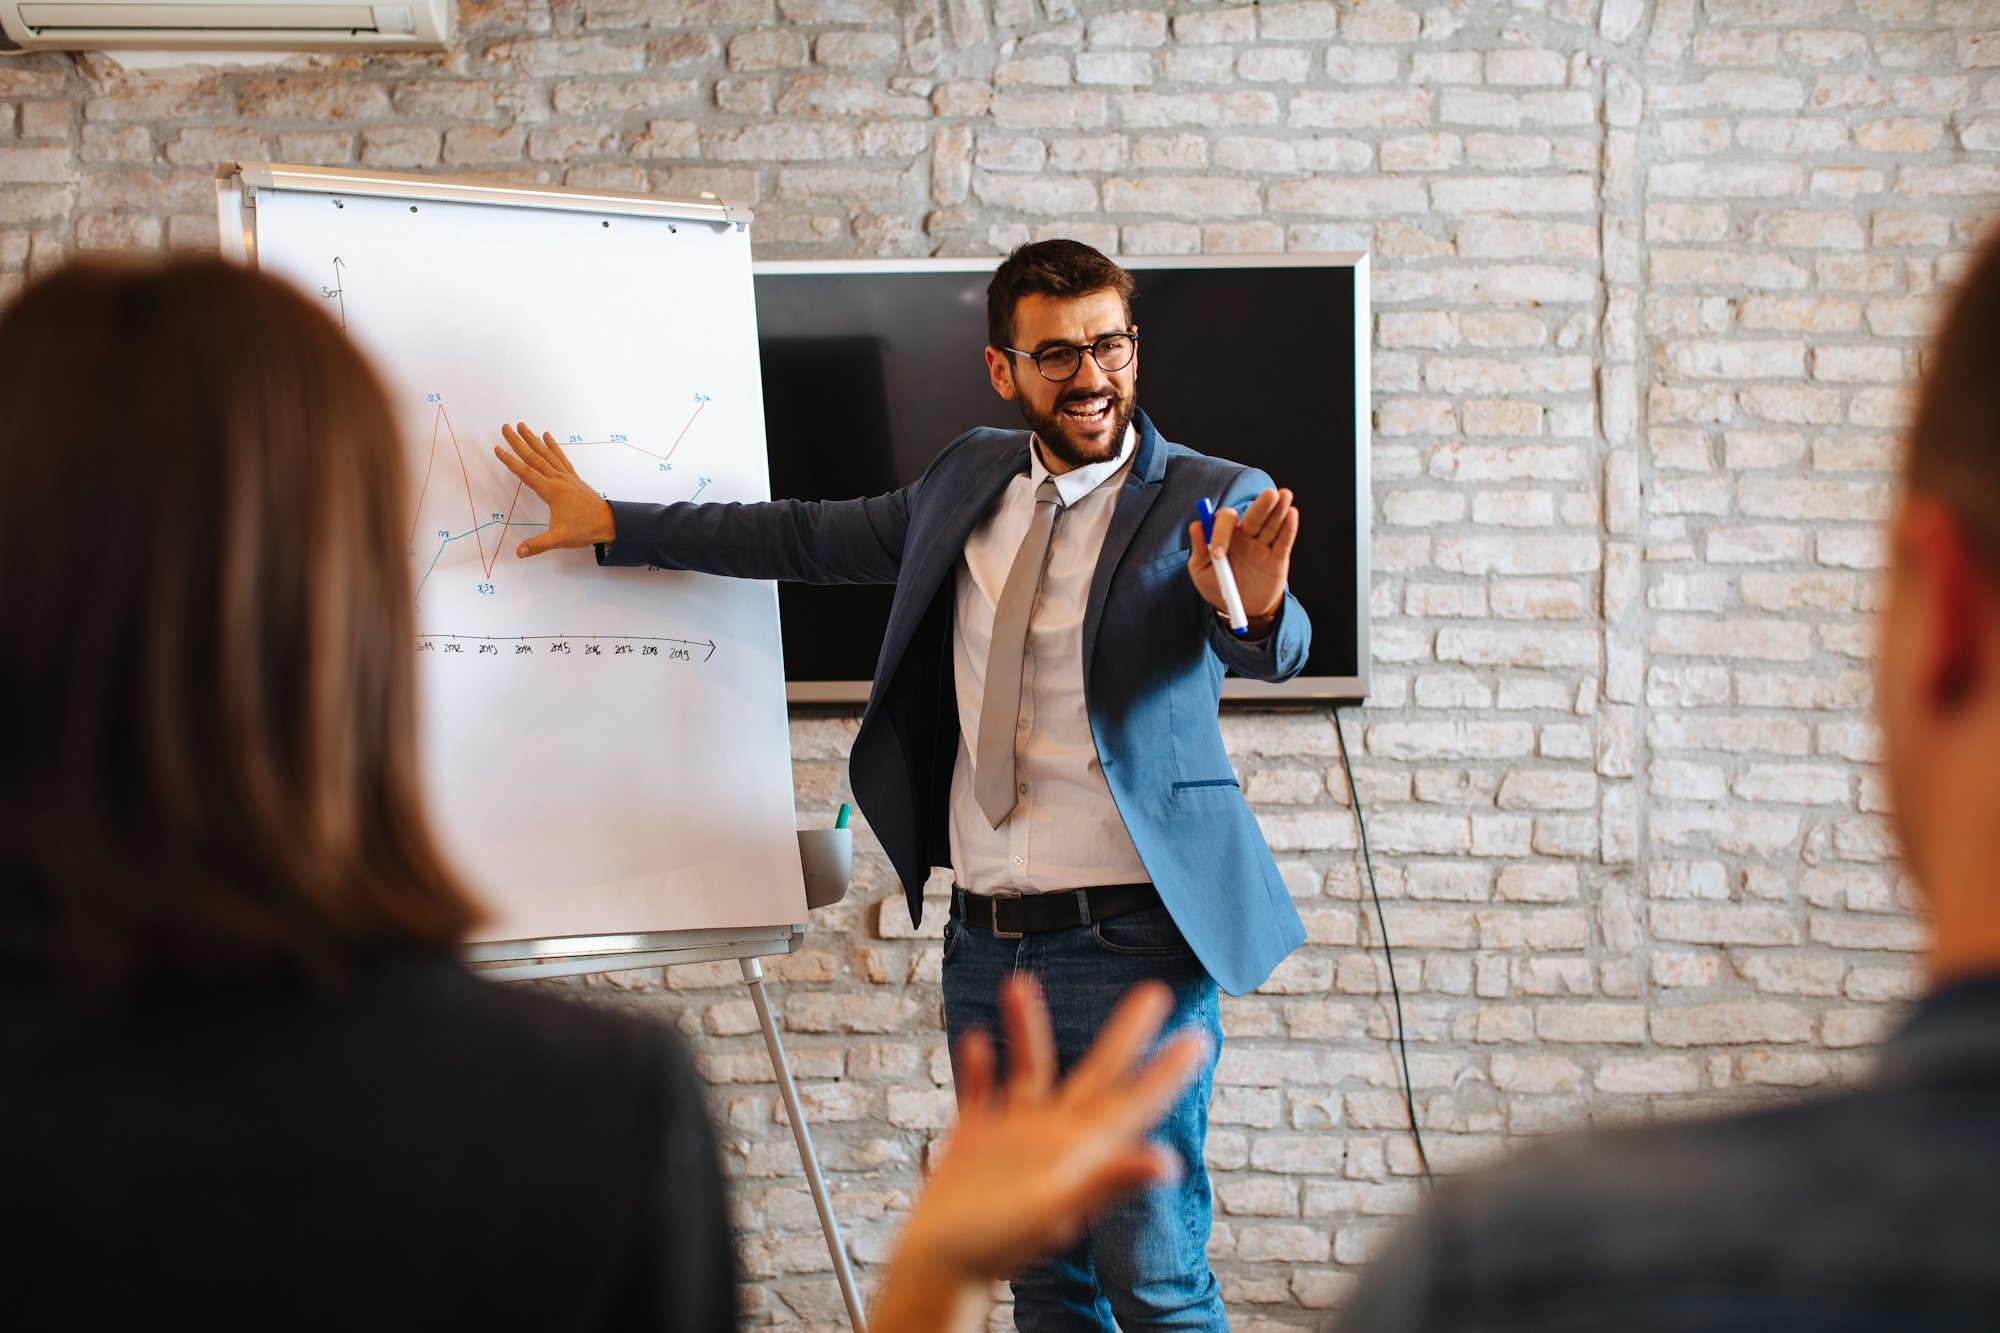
1078, 482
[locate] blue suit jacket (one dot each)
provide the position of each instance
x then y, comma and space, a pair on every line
1154, 656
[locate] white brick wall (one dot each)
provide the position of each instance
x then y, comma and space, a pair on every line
1651, 281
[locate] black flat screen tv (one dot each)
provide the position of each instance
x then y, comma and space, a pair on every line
870, 367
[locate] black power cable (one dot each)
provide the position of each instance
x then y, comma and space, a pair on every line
1388, 956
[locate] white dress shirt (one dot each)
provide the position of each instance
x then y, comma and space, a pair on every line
1066, 832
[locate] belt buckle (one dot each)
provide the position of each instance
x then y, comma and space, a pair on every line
998, 933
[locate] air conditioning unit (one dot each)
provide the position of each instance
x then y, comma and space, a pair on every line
268, 25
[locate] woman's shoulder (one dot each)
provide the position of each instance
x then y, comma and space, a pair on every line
524, 1029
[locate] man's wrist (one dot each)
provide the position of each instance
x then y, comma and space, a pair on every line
1260, 627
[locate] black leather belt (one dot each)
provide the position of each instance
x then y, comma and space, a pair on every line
1010, 915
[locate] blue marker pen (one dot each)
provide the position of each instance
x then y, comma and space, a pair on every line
1239, 624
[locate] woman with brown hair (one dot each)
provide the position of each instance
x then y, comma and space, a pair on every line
242, 1076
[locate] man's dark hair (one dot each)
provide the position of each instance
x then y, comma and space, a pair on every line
1954, 438
1049, 268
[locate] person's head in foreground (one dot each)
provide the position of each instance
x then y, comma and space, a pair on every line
239, 1071
1878, 1208
211, 769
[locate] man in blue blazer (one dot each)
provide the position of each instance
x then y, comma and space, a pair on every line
1044, 716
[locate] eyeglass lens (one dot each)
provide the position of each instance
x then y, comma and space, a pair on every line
1112, 353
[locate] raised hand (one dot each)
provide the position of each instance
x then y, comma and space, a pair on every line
578, 515
1258, 544
1029, 1163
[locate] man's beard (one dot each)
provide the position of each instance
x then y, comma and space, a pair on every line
1051, 428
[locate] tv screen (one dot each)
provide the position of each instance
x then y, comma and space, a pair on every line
871, 367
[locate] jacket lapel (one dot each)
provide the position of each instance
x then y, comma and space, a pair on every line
1135, 498
926, 565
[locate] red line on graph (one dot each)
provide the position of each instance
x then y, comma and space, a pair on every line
578, 444
478, 534
417, 521
500, 543
684, 429
665, 457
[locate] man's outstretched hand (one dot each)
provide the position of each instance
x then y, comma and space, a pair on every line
1258, 544
578, 515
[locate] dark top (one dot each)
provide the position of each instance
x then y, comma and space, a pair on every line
427, 1150
1873, 1209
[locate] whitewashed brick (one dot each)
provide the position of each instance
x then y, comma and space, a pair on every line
1721, 923
1458, 106
1514, 509
1118, 69
1421, 152
1733, 735
1386, 109
1717, 358
1518, 555
1298, 20
1650, 1075
1433, 600
1346, 198
1764, 640
1378, 22
1526, 67
1684, 971
1128, 27
1848, 365
1715, 268
1447, 67
1609, 1024
1492, 375
1537, 1074
1738, 833
1813, 500
1514, 195
1729, 1024
1528, 649
1537, 884
1791, 974
1450, 740
1212, 65
1548, 789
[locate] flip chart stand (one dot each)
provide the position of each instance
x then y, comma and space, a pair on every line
528, 960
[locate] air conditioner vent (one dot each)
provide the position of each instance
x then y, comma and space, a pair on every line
53, 25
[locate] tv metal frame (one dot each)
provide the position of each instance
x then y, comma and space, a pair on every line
1251, 693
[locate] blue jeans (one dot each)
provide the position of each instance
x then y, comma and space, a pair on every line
1144, 1260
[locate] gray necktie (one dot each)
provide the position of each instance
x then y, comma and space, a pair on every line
1000, 707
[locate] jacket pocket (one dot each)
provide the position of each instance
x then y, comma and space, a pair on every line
1206, 784
1171, 560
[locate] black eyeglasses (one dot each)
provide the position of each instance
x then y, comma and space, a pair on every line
1114, 351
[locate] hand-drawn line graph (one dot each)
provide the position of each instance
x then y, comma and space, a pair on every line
501, 521
442, 429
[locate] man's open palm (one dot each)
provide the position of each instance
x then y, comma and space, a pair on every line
578, 515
